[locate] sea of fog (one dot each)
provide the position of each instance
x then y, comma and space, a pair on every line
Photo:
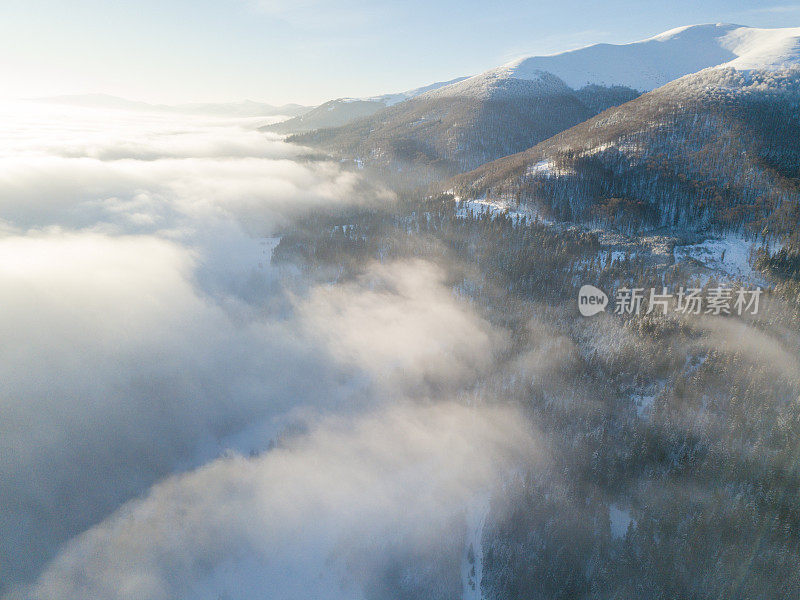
181, 418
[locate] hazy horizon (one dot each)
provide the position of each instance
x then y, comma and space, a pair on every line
309, 52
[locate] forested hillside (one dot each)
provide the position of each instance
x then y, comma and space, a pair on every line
715, 150
672, 439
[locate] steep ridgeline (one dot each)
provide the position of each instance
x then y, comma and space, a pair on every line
718, 149
342, 111
510, 108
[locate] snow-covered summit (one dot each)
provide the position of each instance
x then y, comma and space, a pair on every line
496, 85
650, 63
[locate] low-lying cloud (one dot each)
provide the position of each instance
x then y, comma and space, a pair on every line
294, 521
142, 338
137, 176
404, 324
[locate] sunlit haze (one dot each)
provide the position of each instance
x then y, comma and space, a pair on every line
309, 51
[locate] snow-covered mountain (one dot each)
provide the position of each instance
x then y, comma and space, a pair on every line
653, 62
459, 126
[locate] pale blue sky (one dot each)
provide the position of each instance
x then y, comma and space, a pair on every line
308, 51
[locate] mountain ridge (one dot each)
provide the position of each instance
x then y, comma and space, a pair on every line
459, 126
342, 111
649, 63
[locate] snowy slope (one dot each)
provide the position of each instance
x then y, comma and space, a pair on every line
763, 48
653, 62
472, 561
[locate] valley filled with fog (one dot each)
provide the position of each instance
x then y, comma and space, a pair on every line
176, 404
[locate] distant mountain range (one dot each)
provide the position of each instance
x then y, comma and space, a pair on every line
246, 108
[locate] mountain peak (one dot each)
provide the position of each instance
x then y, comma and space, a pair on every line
699, 31
496, 84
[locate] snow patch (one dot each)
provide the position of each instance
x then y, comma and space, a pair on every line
545, 168
728, 255
498, 206
609, 258
620, 521
472, 561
